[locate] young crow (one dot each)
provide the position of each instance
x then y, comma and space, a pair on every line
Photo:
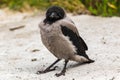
60, 36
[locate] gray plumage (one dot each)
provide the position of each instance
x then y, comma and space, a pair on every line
61, 37
57, 43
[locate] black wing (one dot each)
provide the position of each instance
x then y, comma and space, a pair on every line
76, 39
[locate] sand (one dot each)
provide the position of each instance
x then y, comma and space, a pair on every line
22, 53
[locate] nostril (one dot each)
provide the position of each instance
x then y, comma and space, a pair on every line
52, 15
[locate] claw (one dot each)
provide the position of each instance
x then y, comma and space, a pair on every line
60, 74
40, 72
47, 70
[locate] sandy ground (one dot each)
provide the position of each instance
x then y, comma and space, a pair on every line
22, 52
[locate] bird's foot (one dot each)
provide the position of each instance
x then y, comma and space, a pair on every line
47, 70
60, 74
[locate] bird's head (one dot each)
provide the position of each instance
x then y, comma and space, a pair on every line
55, 13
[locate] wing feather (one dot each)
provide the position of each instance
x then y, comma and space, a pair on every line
76, 39
69, 29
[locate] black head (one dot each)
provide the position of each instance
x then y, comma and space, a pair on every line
54, 13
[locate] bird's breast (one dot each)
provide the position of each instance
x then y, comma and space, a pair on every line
57, 43
60, 46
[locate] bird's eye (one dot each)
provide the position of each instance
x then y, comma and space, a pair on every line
48, 13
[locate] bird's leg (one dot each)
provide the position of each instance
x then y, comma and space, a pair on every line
63, 71
48, 69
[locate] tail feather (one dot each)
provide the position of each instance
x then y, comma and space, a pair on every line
83, 54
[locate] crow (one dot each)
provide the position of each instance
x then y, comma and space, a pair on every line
61, 37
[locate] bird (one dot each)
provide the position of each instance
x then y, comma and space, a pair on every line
61, 37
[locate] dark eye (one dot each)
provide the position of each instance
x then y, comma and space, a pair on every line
48, 13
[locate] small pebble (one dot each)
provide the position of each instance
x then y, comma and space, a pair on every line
34, 59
